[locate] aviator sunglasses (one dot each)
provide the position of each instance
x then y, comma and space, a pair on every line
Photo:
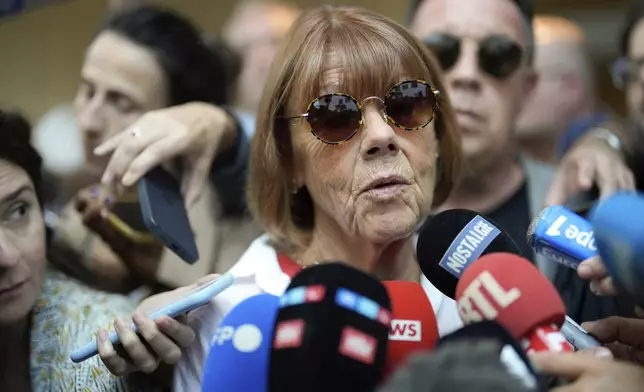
335, 118
498, 55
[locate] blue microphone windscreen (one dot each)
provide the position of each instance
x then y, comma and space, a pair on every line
240, 347
618, 222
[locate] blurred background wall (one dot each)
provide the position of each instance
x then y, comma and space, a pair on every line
41, 47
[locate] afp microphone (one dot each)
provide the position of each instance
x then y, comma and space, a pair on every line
330, 332
238, 356
619, 229
413, 325
510, 290
563, 236
452, 240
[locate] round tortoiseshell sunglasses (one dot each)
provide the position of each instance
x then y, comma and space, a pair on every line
335, 118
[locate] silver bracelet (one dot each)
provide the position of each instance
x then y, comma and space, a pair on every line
609, 137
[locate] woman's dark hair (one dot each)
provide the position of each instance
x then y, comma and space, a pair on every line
634, 14
193, 71
15, 147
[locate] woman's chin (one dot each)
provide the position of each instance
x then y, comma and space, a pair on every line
389, 227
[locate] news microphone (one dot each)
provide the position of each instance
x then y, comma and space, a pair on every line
563, 236
619, 228
413, 326
510, 354
452, 240
330, 332
510, 290
468, 366
240, 347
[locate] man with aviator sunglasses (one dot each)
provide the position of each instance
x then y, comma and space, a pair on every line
486, 48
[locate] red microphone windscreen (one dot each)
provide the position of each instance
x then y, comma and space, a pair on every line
510, 290
413, 326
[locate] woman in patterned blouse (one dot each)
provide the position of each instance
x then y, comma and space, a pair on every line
44, 314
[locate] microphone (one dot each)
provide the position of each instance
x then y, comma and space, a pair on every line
452, 240
238, 357
563, 236
619, 233
510, 290
330, 332
461, 366
413, 326
510, 354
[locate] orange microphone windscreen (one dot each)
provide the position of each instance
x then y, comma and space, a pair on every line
510, 290
413, 326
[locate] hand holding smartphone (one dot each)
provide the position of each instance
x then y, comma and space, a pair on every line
193, 299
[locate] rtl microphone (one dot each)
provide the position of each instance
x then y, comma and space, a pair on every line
330, 332
510, 290
240, 347
413, 326
619, 229
452, 240
511, 355
563, 236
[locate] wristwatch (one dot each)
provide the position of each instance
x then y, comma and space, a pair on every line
609, 137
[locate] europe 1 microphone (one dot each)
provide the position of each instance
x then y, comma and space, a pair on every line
510, 290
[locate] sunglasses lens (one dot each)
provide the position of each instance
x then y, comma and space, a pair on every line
499, 56
334, 118
445, 47
411, 104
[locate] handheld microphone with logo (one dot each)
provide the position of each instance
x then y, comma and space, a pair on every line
413, 325
330, 332
619, 226
563, 236
510, 290
452, 240
240, 347
510, 354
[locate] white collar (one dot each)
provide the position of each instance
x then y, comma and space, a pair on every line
260, 264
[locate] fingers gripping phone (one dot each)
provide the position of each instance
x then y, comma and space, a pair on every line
157, 212
193, 299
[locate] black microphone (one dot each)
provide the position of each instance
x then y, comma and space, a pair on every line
510, 353
452, 240
331, 332
467, 366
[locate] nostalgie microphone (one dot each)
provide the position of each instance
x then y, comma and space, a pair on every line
240, 347
452, 240
508, 289
619, 229
510, 354
563, 236
330, 332
413, 326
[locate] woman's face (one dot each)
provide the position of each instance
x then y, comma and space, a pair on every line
22, 244
340, 178
120, 81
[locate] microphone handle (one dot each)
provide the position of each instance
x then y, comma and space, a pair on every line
577, 336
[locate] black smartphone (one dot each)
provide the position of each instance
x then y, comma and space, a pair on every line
164, 213
582, 202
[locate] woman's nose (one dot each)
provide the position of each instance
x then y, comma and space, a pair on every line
9, 254
380, 138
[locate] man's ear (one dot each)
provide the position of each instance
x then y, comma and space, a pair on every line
530, 80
